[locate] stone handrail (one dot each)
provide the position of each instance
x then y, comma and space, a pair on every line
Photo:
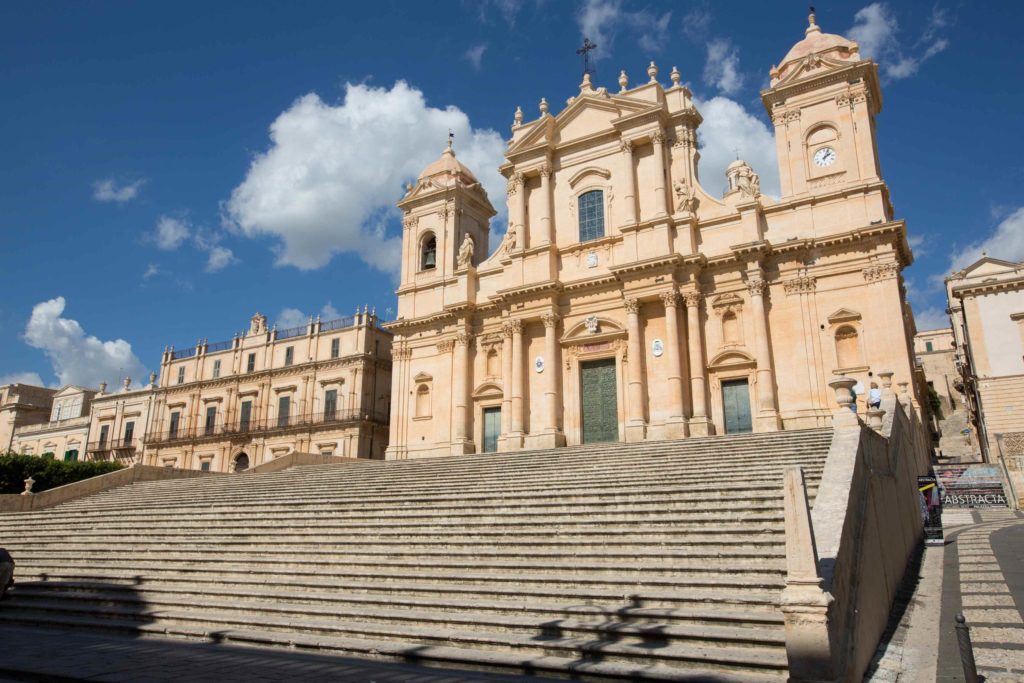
864, 527
86, 487
293, 459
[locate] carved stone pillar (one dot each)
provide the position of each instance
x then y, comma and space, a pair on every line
700, 425
506, 384
629, 174
547, 233
520, 200
636, 427
515, 438
660, 196
767, 414
551, 436
676, 423
461, 376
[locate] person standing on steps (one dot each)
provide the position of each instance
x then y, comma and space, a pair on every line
874, 396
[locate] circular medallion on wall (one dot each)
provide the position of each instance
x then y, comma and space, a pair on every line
538, 364
657, 348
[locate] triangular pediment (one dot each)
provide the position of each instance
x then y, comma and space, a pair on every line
70, 390
585, 116
422, 377
987, 265
843, 315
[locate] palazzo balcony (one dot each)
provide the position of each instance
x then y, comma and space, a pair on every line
282, 424
122, 450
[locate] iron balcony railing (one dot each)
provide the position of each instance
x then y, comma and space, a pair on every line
111, 445
273, 424
178, 354
219, 346
293, 332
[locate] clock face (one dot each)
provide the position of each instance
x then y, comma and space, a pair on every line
825, 157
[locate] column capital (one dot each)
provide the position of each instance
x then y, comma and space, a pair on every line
463, 338
757, 286
512, 326
545, 170
670, 298
626, 146
550, 319
658, 137
632, 305
692, 298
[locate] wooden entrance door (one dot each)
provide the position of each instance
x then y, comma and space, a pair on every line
599, 401
736, 406
492, 428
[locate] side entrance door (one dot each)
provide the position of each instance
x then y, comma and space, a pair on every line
492, 428
600, 408
736, 406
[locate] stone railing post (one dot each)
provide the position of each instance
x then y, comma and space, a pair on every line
875, 417
28, 487
844, 415
804, 603
885, 376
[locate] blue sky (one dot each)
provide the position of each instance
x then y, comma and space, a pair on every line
170, 169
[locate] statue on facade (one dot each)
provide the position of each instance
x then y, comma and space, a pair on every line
510, 239
686, 198
465, 258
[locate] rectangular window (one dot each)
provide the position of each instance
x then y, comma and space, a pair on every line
330, 404
181, 375
56, 412
289, 355
283, 405
205, 466
216, 369
175, 418
591, 210
129, 433
335, 347
245, 416
104, 432
71, 455
928, 346
250, 364
211, 419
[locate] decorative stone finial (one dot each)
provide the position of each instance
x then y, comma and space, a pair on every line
652, 71
103, 387
676, 77
586, 86
28, 487
543, 106
518, 117
152, 378
844, 415
886, 377
812, 26
127, 383
875, 416
623, 81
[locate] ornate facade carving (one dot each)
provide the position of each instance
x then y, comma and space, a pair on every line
550, 319
881, 271
757, 286
632, 305
463, 338
686, 197
800, 285
465, 258
670, 298
692, 299
658, 137
445, 346
727, 303
410, 221
626, 146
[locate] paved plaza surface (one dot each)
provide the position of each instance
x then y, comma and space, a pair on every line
980, 571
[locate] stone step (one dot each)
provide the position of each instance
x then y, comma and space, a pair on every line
413, 651
526, 605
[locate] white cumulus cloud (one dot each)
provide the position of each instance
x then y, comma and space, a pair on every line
1006, 243
722, 68
333, 172
219, 258
78, 358
603, 20
475, 55
32, 378
171, 232
930, 318
107, 190
876, 31
729, 129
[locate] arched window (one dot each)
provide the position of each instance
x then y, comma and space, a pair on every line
730, 328
422, 401
428, 254
847, 349
241, 462
591, 211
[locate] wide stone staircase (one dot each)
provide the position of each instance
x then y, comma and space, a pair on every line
656, 560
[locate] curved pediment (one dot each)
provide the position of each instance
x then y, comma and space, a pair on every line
731, 358
589, 171
594, 328
488, 390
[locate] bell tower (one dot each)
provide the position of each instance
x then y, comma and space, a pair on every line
823, 101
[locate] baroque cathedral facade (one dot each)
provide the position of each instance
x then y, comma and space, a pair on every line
627, 302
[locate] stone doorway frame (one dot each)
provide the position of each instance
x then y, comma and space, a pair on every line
578, 346
731, 364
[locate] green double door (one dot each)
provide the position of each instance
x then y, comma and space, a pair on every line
492, 429
736, 406
599, 401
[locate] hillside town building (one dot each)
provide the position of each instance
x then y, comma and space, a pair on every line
628, 301
323, 387
935, 352
20, 405
65, 434
120, 422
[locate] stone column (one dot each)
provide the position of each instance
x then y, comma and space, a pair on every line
506, 382
515, 440
700, 425
520, 202
547, 233
767, 415
460, 395
676, 423
629, 174
552, 436
661, 198
636, 428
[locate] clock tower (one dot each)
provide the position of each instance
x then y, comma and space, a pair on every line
823, 101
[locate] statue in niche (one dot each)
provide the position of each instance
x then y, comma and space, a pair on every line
510, 239
465, 258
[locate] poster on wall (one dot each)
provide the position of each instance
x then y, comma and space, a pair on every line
931, 509
971, 486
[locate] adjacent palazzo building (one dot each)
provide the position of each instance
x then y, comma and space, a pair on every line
627, 301
323, 387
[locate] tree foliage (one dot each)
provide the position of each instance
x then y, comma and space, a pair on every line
48, 473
